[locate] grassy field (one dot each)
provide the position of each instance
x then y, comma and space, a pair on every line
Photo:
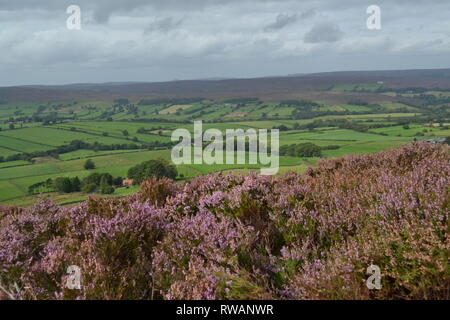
82, 154
413, 131
142, 124
15, 177
174, 109
17, 145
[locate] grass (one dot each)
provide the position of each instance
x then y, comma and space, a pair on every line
17, 145
14, 181
46, 138
17, 176
412, 131
68, 199
10, 164
392, 107
353, 108
175, 108
115, 130
82, 154
7, 152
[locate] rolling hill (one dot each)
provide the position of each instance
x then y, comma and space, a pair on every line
281, 87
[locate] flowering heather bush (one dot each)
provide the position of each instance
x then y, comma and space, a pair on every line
309, 236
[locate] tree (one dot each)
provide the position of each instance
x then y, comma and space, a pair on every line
76, 184
93, 178
49, 183
306, 150
447, 140
154, 168
282, 128
97, 179
106, 179
106, 189
89, 188
11, 126
89, 164
118, 181
98, 182
63, 185
125, 133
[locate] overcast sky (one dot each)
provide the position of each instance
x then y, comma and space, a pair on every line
159, 40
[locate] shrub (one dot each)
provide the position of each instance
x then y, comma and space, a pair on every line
63, 185
305, 150
75, 184
89, 188
153, 168
106, 189
297, 236
89, 165
118, 181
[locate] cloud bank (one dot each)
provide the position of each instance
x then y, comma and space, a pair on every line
159, 40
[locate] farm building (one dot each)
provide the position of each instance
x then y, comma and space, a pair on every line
127, 182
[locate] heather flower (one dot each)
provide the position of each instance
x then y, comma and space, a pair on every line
296, 236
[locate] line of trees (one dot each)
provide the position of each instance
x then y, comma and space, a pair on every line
305, 150
159, 168
344, 124
149, 102
305, 104
103, 183
79, 145
243, 101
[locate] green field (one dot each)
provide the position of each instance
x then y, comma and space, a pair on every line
17, 145
15, 177
136, 132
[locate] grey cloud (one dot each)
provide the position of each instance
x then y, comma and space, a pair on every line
156, 40
129, 5
283, 20
163, 25
308, 14
324, 33
286, 19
